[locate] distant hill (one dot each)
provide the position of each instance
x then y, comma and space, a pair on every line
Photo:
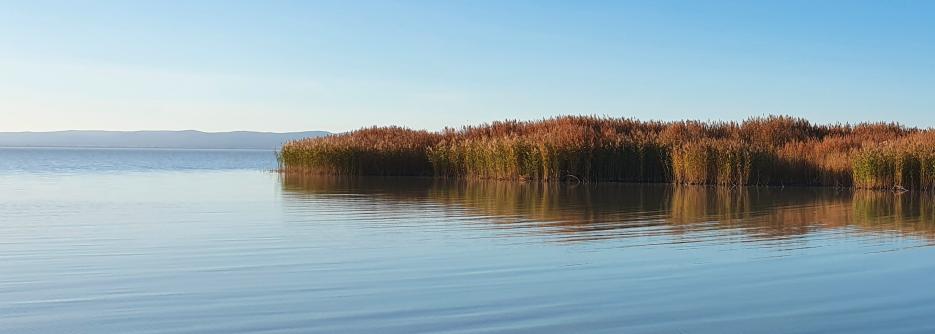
153, 139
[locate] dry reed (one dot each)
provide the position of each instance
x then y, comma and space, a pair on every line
774, 150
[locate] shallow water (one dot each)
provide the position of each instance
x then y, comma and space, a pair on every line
162, 241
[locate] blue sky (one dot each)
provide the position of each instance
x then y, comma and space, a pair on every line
319, 65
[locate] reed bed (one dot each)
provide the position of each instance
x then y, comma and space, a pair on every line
774, 150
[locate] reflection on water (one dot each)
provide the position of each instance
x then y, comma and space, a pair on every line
605, 211
139, 247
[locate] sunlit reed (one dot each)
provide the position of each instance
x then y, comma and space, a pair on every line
774, 151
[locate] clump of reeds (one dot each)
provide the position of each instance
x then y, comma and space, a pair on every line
716, 161
774, 150
906, 163
369, 151
564, 148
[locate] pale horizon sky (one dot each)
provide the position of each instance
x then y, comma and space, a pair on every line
337, 65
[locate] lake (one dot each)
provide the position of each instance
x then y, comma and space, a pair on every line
212, 241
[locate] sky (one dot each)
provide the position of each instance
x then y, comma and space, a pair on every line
342, 65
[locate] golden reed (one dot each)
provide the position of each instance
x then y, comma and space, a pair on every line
774, 150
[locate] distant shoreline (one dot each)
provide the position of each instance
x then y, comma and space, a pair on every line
137, 148
188, 139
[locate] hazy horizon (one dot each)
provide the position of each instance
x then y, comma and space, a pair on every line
182, 130
154, 139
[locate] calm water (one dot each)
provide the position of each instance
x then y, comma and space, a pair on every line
161, 241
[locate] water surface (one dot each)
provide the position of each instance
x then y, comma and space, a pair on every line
163, 241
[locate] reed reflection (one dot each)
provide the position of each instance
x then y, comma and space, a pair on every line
605, 211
